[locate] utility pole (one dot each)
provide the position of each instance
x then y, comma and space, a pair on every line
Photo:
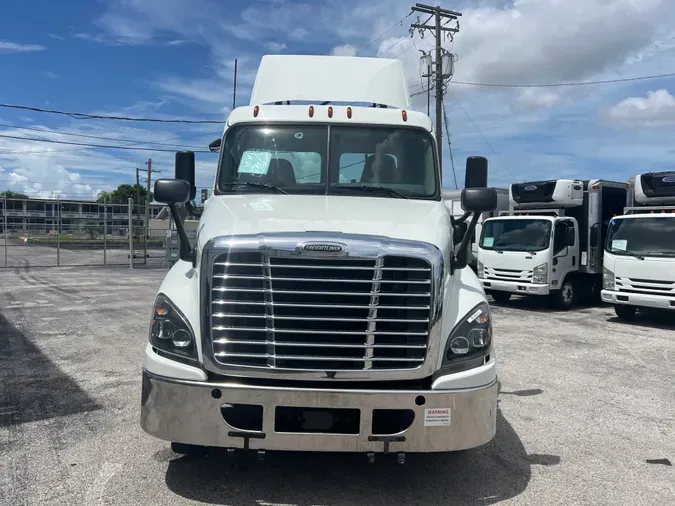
443, 58
138, 188
234, 93
147, 206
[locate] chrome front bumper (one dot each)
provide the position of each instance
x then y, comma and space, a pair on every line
188, 412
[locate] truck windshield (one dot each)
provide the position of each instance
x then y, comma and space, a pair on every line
388, 162
516, 235
642, 236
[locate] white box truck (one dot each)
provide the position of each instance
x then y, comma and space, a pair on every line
453, 201
324, 306
550, 243
639, 267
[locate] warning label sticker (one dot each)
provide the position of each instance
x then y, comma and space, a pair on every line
437, 417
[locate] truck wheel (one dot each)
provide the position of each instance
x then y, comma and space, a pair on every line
566, 297
625, 312
186, 449
501, 297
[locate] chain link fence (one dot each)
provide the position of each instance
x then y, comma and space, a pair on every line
45, 233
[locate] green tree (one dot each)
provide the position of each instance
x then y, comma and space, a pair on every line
12, 195
123, 193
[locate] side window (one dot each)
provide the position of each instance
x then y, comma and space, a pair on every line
562, 230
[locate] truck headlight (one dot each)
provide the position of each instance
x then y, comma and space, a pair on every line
471, 337
170, 331
541, 274
481, 270
608, 279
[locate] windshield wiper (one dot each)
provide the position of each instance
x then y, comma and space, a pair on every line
636, 255
252, 183
372, 189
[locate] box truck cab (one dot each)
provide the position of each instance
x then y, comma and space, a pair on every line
550, 241
325, 305
639, 267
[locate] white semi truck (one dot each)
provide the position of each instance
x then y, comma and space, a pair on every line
550, 243
324, 306
639, 267
453, 201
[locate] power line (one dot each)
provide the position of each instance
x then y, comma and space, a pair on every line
399, 22
481, 134
113, 139
79, 115
556, 85
105, 146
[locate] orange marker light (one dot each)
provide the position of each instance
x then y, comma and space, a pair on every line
330, 111
349, 112
404, 115
311, 111
256, 110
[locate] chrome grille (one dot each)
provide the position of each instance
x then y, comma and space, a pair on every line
329, 314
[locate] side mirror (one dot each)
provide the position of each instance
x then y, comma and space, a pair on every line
172, 191
185, 170
214, 147
479, 200
476, 175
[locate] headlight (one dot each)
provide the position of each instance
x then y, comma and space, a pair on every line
471, 338
481, 270
540, 274
170, 331
608, 279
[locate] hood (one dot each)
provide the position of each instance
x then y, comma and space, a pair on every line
417, 220
514, 260
651, 268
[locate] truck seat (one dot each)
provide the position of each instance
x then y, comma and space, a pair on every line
281, 173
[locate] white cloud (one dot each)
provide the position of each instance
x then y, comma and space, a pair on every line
48, 74
345, 50
55, 36
657, 109
275, 47
13, 47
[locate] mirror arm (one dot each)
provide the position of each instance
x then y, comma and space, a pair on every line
456, 221
186, 253
462, 251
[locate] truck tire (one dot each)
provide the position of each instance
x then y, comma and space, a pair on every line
500, 297
566, 297
625, 312
187, 449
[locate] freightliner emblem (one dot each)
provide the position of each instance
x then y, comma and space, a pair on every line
669, 179
322, 248
530, 188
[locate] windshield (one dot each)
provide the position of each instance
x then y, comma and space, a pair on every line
642, 236
357, 160
516, 235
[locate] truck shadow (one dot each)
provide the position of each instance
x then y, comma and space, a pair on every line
32, 387
486, 475
542, 304
653, 320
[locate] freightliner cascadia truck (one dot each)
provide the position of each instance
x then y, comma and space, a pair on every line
639, 268
551, 242
324, 305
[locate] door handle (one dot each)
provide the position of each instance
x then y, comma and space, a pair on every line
574, 260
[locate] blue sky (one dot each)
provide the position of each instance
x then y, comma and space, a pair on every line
174, 58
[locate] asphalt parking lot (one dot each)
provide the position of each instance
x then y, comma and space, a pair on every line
586, 413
